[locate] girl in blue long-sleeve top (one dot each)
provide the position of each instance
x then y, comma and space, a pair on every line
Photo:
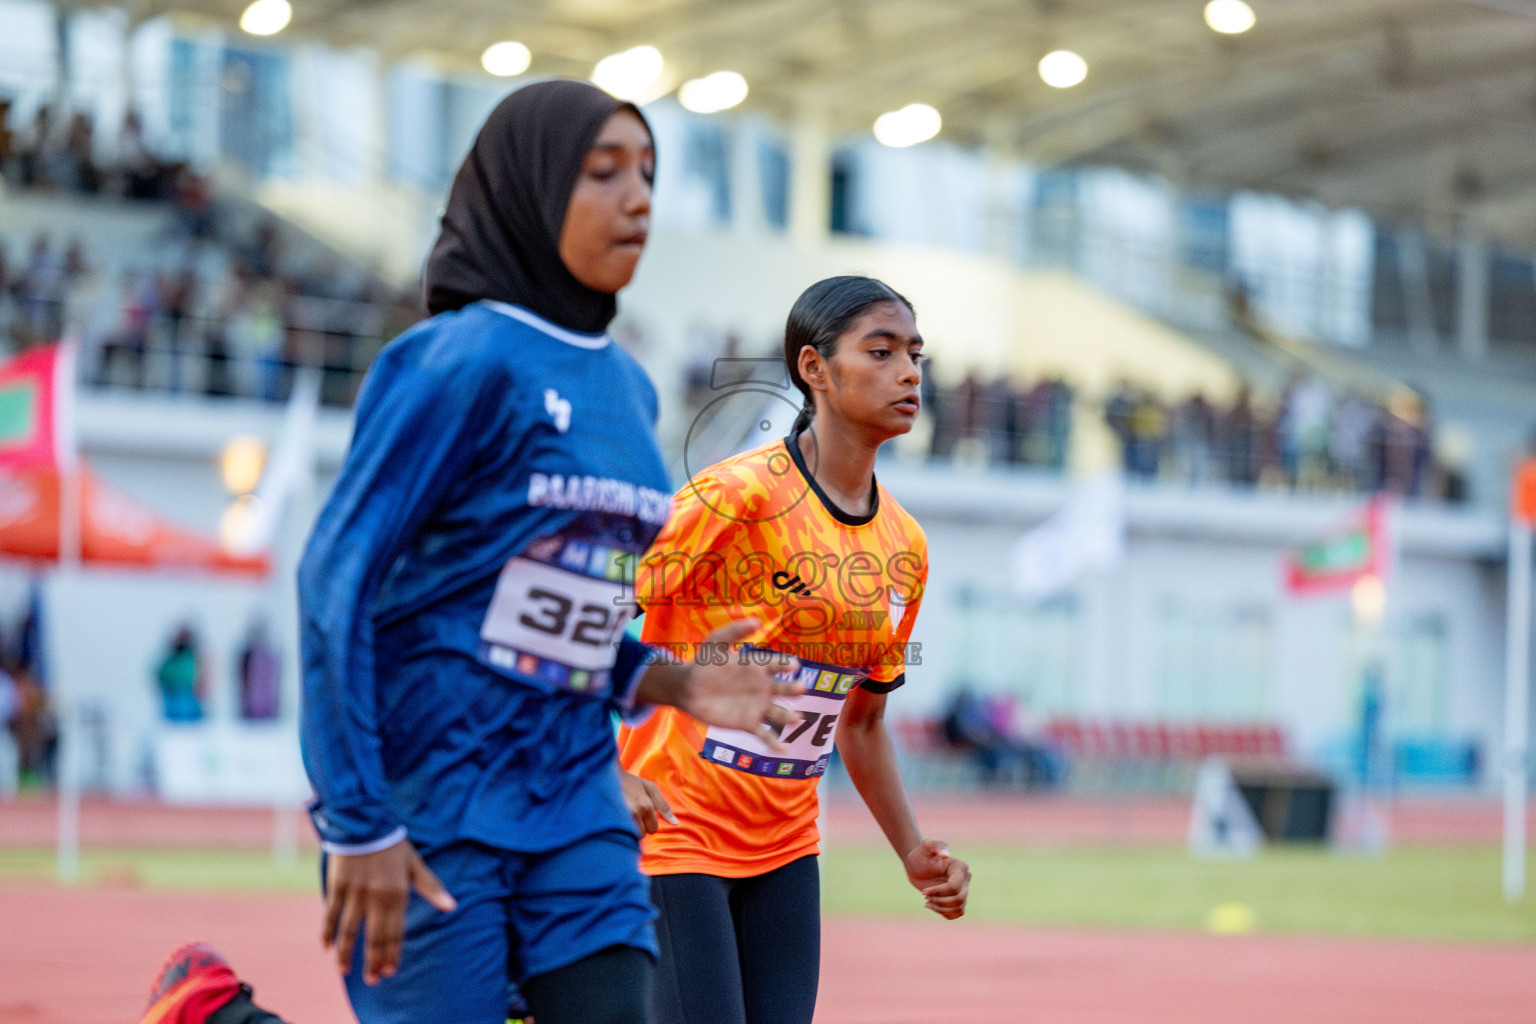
463, 601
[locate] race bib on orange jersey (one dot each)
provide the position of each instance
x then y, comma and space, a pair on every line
808, 742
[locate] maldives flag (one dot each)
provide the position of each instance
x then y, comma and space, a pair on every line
37, 421
38, 458
1336, 562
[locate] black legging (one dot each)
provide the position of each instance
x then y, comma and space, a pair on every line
738, 950
612, 986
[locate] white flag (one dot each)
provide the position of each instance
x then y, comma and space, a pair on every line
1087, 533
292, 461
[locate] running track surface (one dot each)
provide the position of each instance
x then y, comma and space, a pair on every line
958, 817
86, 956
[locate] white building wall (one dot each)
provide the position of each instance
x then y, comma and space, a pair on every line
1206, 551
1217, 555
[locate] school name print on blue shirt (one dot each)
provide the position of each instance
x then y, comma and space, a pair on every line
428, 705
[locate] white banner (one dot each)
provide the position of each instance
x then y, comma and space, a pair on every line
1087, 533
230, 764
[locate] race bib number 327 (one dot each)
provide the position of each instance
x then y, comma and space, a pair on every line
553, 618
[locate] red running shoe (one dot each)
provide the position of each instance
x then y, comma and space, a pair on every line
194, 981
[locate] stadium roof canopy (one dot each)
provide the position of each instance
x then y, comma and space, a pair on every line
1419, 110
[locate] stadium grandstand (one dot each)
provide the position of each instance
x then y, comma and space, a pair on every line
1230, 324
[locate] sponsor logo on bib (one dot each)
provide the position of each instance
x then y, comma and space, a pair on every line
806, 745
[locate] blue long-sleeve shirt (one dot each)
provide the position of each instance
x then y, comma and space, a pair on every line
461, 598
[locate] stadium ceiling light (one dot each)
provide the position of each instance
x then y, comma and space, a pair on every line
1229, 17
713, 93
1062, 69
628, 75
266, 17
506, 58
913, 123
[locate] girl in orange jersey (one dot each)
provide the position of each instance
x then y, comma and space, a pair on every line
799, 535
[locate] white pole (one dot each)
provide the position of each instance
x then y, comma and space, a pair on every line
69, 793
68, 712
285, 833
1517, 667
71, 542
1386, 757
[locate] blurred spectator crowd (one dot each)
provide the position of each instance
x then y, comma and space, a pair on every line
1315, 438
1000, 421
228, 306
60, 151
218, 303
220, 318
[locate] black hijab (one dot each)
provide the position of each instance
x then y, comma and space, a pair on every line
500, 237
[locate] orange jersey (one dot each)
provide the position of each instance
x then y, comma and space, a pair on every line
754, 536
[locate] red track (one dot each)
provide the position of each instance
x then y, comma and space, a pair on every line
86, 957
964, 817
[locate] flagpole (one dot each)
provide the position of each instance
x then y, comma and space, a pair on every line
1368, 565
70, 544
269, 524
1517, 679
293, 468
1380, 791
69, 749
1517, 667
1367, 829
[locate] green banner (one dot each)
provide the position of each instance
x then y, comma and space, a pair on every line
1342, 554
18, 412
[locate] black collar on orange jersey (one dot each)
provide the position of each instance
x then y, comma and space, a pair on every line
792, 442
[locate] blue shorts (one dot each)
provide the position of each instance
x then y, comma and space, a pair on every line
520, 915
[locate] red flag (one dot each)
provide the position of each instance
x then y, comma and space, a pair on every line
38, 457
37, 409
1336, 562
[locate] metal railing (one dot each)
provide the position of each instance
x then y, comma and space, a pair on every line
171, 353
1244, 447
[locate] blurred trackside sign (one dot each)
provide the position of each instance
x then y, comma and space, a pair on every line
1523, 494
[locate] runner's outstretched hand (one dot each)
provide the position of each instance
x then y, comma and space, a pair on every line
943, 880
733, 695
369, 891
645, 802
